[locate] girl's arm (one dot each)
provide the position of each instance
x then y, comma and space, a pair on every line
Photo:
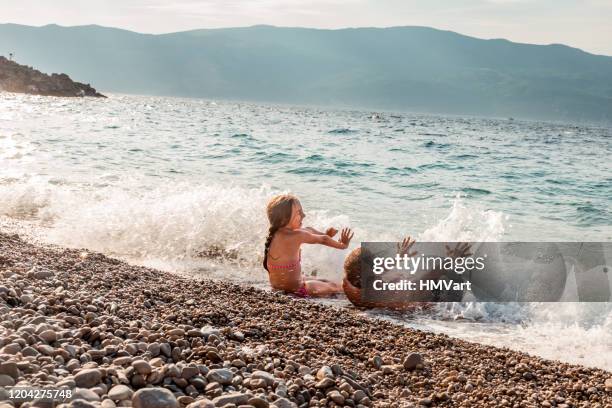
331, 231
314, 231
308, 237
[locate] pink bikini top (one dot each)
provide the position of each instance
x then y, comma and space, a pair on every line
288, 265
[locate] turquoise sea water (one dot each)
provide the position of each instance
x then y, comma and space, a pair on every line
160, 181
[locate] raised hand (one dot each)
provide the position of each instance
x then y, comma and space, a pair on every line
405, 246
331, 232
461, 250
345, 236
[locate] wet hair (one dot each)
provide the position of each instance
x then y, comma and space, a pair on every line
279, 212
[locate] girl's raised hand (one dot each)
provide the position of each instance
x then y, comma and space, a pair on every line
461, 250
404, 247
345, 236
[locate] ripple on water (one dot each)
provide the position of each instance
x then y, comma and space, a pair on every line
323, 171
315, 157
464, 156
277, 157
433, 145
341, 131
588, 213
401, 170
243, 136
473, 191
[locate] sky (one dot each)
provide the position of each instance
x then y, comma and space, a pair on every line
584, 24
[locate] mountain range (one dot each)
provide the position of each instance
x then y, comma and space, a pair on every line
417, 69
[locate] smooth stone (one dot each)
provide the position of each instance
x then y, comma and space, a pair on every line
101, 389
73, 365
258, 402
87, 378
412, 361
154, 398
214, 356
79, 403
154, 349
336, 397
120, 393
376, 362
281, 390
139, 380
255, 383
142, 367
325, 383
9, 368
203, 403
166, 350
46, 350
30, 352
121, 361
238, 335
48, 336
156, 362
12, 348
365, 402
86, 394
359, 395
238, 363
388, 369
220, 375
176, 332
42, 274
284, 403
185, 400
189, 372
236, 398
6, 380
131, 349
209, 331
323, 372
425, 401
195, 333
68, 383
263, 375
176, 354
27, 298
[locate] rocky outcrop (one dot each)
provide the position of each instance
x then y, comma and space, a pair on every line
23, 79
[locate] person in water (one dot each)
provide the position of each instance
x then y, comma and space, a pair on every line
395, 300
282, 255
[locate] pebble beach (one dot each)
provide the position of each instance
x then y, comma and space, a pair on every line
120, 335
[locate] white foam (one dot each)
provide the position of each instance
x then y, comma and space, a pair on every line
579, 333
467, 223
167, 227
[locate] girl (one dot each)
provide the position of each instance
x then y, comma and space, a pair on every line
282, 255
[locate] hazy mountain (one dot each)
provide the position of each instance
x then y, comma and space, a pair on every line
403, 68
